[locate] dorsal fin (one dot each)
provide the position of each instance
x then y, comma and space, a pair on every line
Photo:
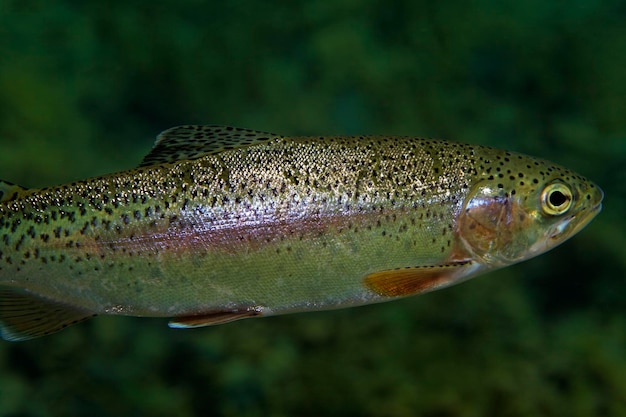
195, 141
9, 191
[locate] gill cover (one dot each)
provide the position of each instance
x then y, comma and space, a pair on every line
494, 225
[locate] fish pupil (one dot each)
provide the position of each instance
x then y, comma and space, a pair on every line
557, 198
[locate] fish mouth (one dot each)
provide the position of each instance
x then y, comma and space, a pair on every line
586, 218
573, 224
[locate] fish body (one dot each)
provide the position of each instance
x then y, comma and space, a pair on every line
223, 223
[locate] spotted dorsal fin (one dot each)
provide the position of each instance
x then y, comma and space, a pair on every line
195, 141
9, 191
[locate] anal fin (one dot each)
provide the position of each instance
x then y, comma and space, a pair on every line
25, 316
213, 318
402, 282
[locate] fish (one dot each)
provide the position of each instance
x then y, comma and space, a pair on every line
220, 223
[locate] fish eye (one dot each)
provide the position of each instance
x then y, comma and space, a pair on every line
556, 199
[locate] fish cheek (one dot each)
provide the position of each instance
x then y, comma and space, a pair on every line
477, 225
496, 226
487, 222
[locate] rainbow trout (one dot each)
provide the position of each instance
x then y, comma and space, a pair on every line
222, 223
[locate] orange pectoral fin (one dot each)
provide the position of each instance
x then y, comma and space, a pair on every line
416, 280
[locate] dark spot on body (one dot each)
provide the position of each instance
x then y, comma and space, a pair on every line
15, 225
19, 243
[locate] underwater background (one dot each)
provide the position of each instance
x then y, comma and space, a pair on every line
85, 86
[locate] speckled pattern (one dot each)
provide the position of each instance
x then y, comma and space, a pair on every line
278, 224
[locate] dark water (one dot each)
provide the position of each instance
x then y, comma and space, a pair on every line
84, 88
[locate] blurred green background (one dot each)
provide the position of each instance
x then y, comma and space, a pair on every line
85, 86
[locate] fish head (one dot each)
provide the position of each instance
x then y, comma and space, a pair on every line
521, 207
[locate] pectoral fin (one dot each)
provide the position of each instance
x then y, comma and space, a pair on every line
25, 316
401, 282
213, 318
